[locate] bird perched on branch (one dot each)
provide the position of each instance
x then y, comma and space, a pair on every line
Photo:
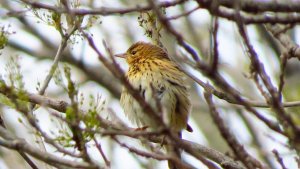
161, 84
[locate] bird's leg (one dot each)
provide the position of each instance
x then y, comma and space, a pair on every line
141, 128
163, 141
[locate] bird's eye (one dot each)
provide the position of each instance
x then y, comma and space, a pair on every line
133, 52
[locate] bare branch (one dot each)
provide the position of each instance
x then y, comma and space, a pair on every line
279, 159
257, 6
193, 148
238, 149
19, 144
101, 11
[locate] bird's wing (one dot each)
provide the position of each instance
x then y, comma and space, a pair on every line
173, 94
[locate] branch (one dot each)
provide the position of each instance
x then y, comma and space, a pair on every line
205, 69
279, 159
193, 148
257, 6
289, 46
237, 148
105, 11
226, 10
118, 73
12, 142
228, 13
157, 156
57, 58
22, 154
98, 74
273, 97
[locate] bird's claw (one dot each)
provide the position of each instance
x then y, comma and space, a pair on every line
141, 128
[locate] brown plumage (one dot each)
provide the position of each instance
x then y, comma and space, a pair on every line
156, 77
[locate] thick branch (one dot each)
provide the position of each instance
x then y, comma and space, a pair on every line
256, 6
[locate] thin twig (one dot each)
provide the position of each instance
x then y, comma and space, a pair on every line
283, 63
257, 140
157, 156
184, 14
289, 47
22, 154
279, 159
57, 58
215, 56
99, 147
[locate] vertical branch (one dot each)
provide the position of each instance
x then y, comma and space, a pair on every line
283, 63
74, 117
148, 21
177, 35
215, 51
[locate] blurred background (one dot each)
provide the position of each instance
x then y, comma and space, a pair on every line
33, 42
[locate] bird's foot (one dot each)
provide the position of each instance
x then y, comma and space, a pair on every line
163, 141
141, 128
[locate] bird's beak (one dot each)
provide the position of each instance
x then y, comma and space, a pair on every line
121, 55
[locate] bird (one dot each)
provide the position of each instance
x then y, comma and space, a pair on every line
159, 81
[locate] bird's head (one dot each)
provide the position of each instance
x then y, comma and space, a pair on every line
143, 51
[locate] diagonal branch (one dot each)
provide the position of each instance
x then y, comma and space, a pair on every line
237, 148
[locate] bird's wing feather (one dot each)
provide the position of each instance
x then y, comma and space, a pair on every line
175, 97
